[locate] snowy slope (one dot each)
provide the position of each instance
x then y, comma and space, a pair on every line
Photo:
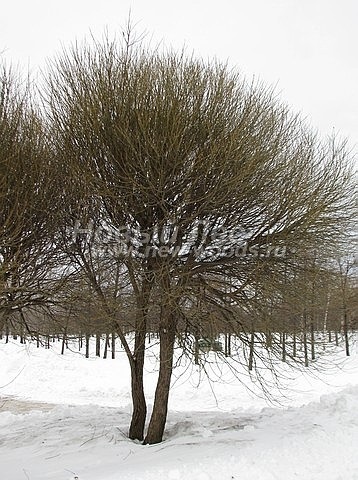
214, 431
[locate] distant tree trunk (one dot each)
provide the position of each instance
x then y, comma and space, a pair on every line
98, 345
113, 345
305, 346
87, 344
251, 352
228, 345
325, 320
313, 354
22, 334
37, 340
336, 337
283, 346
7, 332
63, 342
106, 344
345, 331
64, 338
268, 338
160, 408
196, 350
294, 340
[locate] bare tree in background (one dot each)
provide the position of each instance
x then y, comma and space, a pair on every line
27, 204
214, 188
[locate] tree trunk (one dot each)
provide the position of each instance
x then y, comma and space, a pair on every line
345, 331
7, 332
136, 429
305, 347
106, 345
196, 350
113, 345
160, 408
294, 339
87, 344
313, 353
139, 415
98, 344
63, 342
251, 352
22, 334
227, 345
284, 346
268, 337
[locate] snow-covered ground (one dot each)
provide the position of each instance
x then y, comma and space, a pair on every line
64, 416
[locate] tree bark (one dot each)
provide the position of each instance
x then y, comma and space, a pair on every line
196, 350
87, 344
268, 338
251, 352
158, 419
139, 414
98, 344
305, 348
284, 346
228, 345
113, 345
7, 332
345, 331
136, 429
313, 352
106, 345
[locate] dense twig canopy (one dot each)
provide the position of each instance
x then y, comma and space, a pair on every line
27, 198
171, 144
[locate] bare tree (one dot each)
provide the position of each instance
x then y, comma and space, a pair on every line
27, 204
213, 188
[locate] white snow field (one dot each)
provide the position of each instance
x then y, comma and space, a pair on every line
65, 417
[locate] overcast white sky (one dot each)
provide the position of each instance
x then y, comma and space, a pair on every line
307, 48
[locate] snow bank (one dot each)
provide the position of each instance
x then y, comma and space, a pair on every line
235, 436
38, 374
